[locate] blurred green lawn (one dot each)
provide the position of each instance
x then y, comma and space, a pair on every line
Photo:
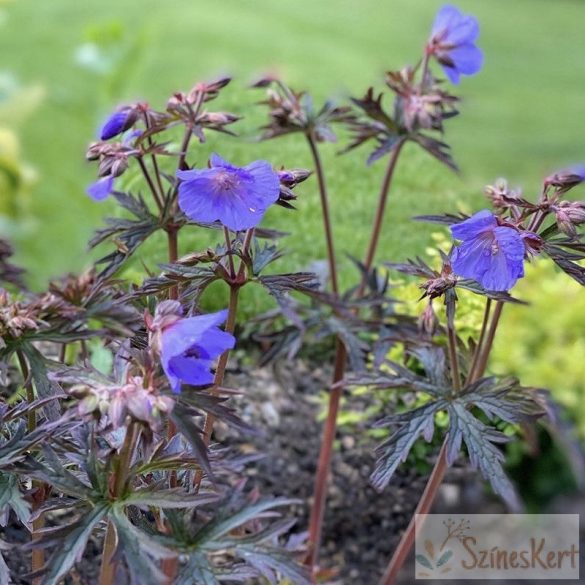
521, 117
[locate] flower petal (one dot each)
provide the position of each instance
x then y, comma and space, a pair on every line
218, 161
467, 58
452, 74
185, 333
470, 228
189, 371
99, 190
266, 184
445, 18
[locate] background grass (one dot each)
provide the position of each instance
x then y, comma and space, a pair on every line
521, 117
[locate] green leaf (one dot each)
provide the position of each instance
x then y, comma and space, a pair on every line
181, 416
197, 571
5, 577
272, 563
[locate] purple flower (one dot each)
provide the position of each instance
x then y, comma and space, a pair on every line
452, 43
117, 123
99, 190
189, 346
236, 196
491, 254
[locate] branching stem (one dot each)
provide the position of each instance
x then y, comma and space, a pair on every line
440, 468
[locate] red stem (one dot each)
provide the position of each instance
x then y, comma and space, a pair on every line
424, 506
230, 327
326, 214
329, 430
379, 217
440, 468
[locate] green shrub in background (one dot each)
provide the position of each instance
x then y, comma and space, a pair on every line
16, 177
543, 346
546, 345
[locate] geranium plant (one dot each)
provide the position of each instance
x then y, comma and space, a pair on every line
125, 453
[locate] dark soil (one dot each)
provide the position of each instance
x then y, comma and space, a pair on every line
362, 526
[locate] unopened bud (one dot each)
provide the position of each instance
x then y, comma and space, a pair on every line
428, 322
566, 179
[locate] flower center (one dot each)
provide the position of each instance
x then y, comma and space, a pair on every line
226, 181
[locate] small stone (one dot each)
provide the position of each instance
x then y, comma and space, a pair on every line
348, 442
270, 414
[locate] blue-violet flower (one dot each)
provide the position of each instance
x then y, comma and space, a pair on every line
99, 190
452, 43
189, 346
490, 253
236, 196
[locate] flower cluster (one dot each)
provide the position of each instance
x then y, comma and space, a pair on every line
133, 399
16, 318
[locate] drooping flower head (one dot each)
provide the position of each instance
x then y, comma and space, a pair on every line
188, 346
118, 122
236, 196
452, 43
490, 253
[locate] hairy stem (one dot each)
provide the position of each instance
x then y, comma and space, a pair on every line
329, 430
108, 566
440, 467
325, 455
173, 246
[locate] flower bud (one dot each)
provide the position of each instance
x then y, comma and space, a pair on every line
566, 179
569, 214
428, 321
500, 195
118, 122
292, 177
